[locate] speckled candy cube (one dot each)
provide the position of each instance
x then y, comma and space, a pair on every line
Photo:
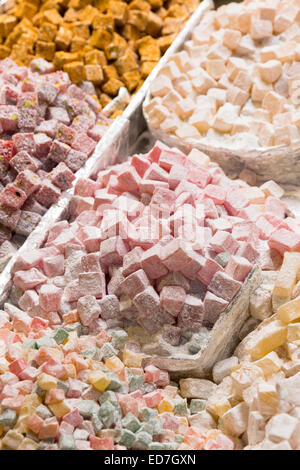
152, 264
62, 177
88, 309
191, 315
224, 286
48, 194
213, 307
13, 197
134, 283
50, 297
147, 302
112, 251
92, 283
172, 299
110, 307
75, 159
27, 223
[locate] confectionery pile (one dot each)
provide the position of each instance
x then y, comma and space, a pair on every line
49, 128
111, 43
236, 81
148, 300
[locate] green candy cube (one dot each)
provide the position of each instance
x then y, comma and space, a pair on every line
8, 417
148, 413
156, 446
109, 396
60, 335
136, 382
87, 408
197, 405
181, 408
118, 338
115, 383
131, 422
127, 438
107, 351
143, 439
97, 423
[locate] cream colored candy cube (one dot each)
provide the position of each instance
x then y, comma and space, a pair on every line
285, 135
161, 86
205, 101
259, 90
271, 71
219, 52
243, 81
282, 119
246, 46
171, 99
244, 22
225, 117
224, 83
202, 120
170, 70
266, 135
284, 19
256, 428
261, 29
273, 102
262, 115
215, 68
240, 125
267, 400
187, 131
185, 89
199, 158
234, 66
158, 114
287, 276
270, 188
268, 53
231, 38
185, 108
203, 82
267, 12
235, 420
182, 60
170, 124
218, 95
286, 52
236, 96
281, 427
270, 364
152, 104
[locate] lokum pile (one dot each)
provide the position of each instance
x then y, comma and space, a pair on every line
235, 83
49, 128
258, 396
162, 240
61, 389
111, 43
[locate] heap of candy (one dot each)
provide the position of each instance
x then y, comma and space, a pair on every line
258, 396
49, 128
236, 82
60, 389
161, 240
111, 43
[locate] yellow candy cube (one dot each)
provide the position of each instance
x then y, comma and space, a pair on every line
12, 439
199, 158
221, 406
290, 311
99, 380
71, 370
287, 276
270, 364
114, 364
132, 359
268, 338
1, 430
60, 409
293, 334
28, 444
46, 381
165, 405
